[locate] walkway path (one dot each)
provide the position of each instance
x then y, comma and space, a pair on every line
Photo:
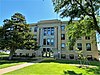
9, 69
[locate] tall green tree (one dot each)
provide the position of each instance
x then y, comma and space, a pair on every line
86, 13
16, 34
79, 9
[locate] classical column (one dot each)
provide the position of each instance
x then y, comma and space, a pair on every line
59, 40
41, 37
55, 37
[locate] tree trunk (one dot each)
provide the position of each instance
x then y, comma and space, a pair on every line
97, 28
11, 54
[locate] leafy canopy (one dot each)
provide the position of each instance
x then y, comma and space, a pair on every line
86, 11
15, 34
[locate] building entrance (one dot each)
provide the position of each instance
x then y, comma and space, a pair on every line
47, 52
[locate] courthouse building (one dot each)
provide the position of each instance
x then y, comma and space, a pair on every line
52, 39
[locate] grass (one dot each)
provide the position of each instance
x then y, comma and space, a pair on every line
8, 63
56, 67
4, 62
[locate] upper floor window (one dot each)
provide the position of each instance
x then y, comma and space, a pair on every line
44, 41
30, 29
49, 32
35, 29
79, 46
62, 36
45, 31
87, 38
48, 41
80, 38
70, 47
63, 45
62, 28
88, 46
52, 41
52, 31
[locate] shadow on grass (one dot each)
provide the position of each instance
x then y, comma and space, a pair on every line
93, 63
71, 73
95, 70
61, 61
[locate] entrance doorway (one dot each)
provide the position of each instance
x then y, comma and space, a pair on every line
47, 52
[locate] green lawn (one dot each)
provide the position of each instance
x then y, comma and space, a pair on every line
55, 67
7, 63
4, 62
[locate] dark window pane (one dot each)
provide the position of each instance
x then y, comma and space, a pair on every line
71, 56
35, 29
44, 49
79, 46
52, 31
44, 41
87, 38
89, 57
88, 46
62, 36
48, 49
62, 28
70, 47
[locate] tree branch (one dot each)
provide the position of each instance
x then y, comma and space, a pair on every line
83, 8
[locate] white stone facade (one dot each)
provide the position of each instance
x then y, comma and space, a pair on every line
51, 37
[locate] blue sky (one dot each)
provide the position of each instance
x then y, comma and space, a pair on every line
33, 10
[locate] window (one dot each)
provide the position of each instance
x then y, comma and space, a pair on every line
35, 29
80, 38
27, 54
79, 46
49, 32
52, 41
44, 41
44, 49
30, 29
70, 47
48, 41
52, 31
87, 38
45, 31
20, 54
62, 28
62, 36
35, 39
89, 57
63, 56
71, 56
48, 49
63, 45
88, 46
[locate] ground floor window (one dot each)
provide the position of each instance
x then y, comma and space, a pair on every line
63, 56
20, 54
47, 52
27, 54
71, 56
89, 57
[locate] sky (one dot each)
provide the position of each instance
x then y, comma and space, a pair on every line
33, 10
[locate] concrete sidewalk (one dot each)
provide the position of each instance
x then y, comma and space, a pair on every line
12, 68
